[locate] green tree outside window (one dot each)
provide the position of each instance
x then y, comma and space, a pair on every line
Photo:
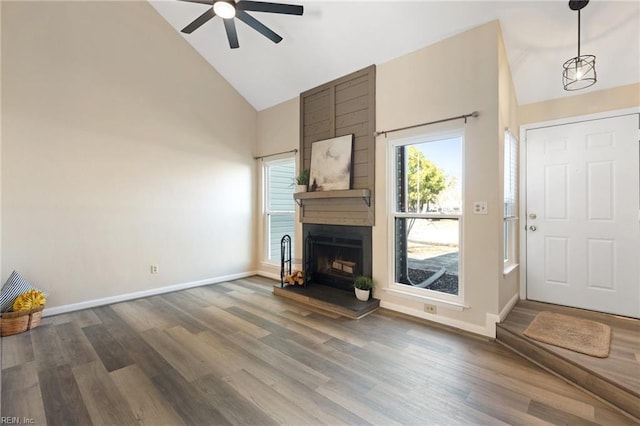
425, 180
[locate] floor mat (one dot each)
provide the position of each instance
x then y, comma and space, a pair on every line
576, 334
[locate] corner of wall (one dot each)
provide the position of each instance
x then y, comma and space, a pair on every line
507, 119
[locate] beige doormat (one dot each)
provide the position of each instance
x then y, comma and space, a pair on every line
579, 335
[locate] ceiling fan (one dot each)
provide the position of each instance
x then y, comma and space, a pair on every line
228, 9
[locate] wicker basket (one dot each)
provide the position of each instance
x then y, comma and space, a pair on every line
17, 322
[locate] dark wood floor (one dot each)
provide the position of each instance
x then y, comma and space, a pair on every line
615, 378
233, 353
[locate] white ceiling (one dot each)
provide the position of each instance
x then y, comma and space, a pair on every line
334, 38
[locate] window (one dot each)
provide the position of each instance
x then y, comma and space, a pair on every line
279, 205
510, 199
427, 215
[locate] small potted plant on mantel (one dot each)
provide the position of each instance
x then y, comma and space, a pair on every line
302, 181
363, 286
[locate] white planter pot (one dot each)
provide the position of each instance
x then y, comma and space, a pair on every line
301, 188
362, 294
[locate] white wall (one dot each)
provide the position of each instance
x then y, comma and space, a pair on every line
121, 148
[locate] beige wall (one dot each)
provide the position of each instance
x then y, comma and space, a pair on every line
427, 85
1, 356
278, 131
121, 148
453, 77
507, 119
2, 282
279, 128
581, 104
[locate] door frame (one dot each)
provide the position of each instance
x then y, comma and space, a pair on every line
522, 147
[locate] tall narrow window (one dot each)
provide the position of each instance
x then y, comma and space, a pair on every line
510, 198
279, 205
427, 214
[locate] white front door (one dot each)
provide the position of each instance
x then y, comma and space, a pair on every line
583, 215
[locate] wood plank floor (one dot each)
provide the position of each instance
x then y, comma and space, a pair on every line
233, 353
615, 378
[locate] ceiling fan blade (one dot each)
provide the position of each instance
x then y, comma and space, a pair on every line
258, 6
258, 26
199, 21
207, 2
232, 35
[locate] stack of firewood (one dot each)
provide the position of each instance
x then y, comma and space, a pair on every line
296, 278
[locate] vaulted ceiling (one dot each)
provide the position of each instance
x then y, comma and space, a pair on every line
334, 38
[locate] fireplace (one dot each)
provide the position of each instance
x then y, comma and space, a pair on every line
335, 254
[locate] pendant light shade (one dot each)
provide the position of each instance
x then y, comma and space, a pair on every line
579, 72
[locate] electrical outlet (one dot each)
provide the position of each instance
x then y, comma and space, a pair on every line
480, 207
430, 309
154, 269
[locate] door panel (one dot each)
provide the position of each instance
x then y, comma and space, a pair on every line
583, 215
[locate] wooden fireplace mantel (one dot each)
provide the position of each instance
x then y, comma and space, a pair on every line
365, 194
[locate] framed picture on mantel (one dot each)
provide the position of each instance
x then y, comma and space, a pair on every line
331, 164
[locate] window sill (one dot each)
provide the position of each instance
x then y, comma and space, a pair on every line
509, 269
454, 306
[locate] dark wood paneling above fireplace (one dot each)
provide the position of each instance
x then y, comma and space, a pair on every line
341, 107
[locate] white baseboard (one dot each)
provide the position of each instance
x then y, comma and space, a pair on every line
492, 319
508, 307
271, 275
145, 293
462, 325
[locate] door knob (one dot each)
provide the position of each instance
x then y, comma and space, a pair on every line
532, 228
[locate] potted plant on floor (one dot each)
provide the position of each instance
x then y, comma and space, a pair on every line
363, 286
302, 181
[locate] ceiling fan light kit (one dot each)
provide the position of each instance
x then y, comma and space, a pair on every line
579, 72
230, 9
224, 9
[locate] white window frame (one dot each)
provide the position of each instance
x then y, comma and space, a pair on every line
455, 302
266, 164
510, 188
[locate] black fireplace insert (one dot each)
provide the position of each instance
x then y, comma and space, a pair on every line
335, 254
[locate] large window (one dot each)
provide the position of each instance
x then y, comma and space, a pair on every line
279, 205
510, 199
427, 214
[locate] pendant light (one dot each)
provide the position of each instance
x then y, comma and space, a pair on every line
579, 72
